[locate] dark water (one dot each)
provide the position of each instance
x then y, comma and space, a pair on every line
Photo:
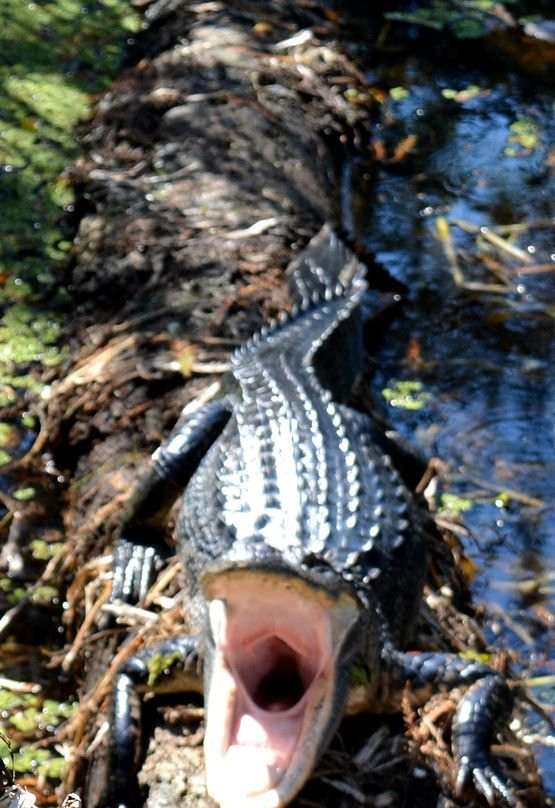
484, 356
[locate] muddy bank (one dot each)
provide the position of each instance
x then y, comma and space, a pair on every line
209, 165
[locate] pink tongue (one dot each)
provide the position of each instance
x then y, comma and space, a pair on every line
248, 771
260, 750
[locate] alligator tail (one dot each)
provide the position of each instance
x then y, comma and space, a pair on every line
327, 285
327, 268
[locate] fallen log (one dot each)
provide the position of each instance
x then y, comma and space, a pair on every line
209, 164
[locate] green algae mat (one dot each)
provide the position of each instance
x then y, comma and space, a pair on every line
54, 58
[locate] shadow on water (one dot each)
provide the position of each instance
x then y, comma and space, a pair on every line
467, 369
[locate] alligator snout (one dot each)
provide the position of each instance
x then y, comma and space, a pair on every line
271, 691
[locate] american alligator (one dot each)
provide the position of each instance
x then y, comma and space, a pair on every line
303, 552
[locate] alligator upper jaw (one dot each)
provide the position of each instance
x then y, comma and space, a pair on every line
271, 695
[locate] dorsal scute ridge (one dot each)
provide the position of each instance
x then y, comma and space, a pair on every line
326, 271
326, 263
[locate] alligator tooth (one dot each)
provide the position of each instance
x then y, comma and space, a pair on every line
371, 575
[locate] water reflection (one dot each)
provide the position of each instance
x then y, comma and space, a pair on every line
485, 358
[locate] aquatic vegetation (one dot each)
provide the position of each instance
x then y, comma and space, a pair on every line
23, 494
45, 761
159, 664
26, 714
8, 435
467, 94
408, 395
54, 57
43, 550
466, 19
454, 505
399, 93
523, 138
12, 591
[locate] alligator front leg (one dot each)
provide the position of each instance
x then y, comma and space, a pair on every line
481, 714
142, 542
172, 666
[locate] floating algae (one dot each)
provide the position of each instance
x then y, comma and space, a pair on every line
54, 57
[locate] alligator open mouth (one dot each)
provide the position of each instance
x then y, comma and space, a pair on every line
274, 675
270, 697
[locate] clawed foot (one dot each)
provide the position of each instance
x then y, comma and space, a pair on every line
135, 566
487, 782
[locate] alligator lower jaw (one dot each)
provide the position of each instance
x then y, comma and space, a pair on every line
271, 697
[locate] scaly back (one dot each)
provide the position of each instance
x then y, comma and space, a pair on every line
326, 284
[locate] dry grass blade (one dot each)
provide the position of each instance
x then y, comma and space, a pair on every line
85, 627
16, 686
93, 368
443, 232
